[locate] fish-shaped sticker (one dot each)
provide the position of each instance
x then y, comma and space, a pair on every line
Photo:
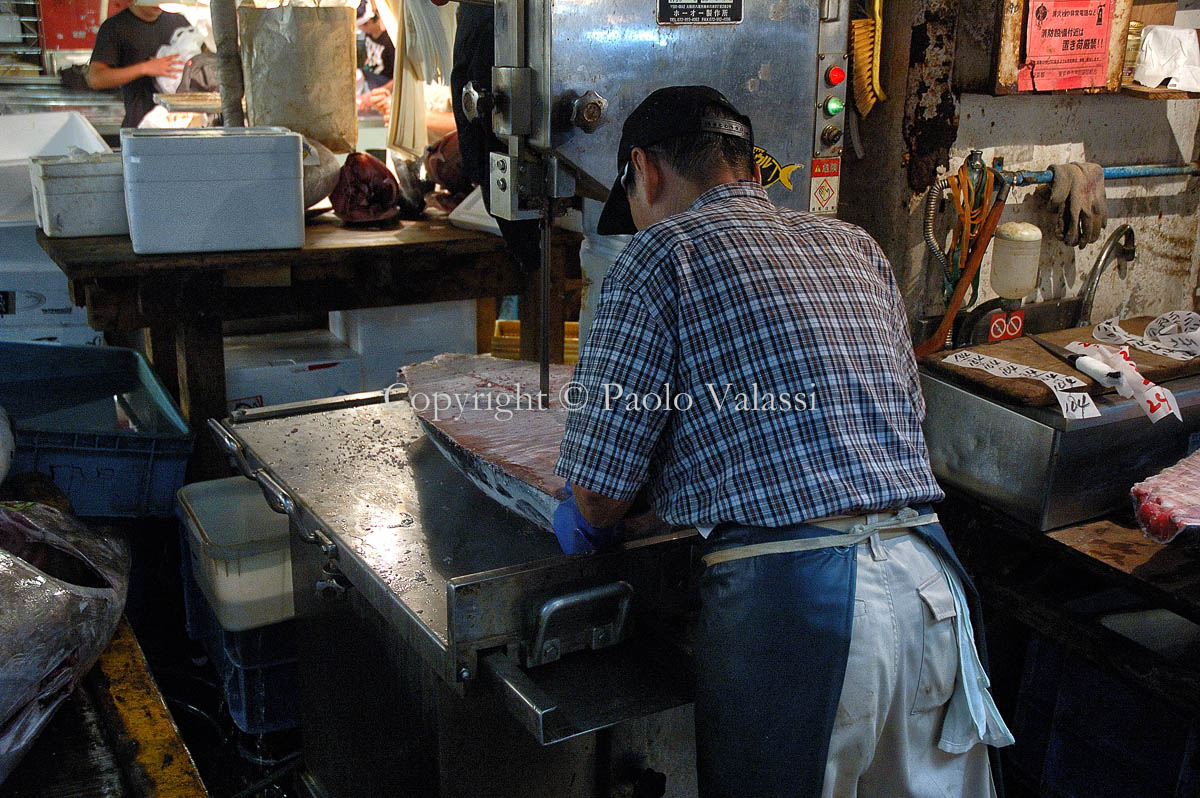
772, 170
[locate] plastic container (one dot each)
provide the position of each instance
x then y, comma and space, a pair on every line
98, 422
79, 195
258, 668
23, 136
1016, 252
239, 552
208, 190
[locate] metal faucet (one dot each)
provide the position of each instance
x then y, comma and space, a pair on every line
1125, 253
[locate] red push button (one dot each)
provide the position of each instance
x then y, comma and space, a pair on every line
835, 75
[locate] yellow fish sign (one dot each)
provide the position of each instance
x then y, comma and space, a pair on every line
772, 170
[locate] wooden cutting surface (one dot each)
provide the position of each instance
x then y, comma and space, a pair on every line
1027, 352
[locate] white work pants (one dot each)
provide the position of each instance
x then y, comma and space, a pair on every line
899, 677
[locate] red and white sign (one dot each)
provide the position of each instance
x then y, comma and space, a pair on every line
1066, 45
824, 188
1002, 326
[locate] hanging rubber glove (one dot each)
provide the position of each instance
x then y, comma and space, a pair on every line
575, 535
1066, 175
1088, 195
1077, 195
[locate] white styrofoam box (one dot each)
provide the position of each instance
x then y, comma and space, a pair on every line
35, 302
213, 189
285, 367
65, 334
23, 136
10, 29
388, 338
470, 214
239, 551
79, 195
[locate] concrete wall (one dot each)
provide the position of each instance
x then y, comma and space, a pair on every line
1033, 132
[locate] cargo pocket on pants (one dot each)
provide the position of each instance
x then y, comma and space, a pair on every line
939, 646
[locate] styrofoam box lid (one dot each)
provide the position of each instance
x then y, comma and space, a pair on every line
208, 141
100, 164
230, 519
23, 136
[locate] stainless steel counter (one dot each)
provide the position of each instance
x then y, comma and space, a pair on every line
1042, 469
425, 598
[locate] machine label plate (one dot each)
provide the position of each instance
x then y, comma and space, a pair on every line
699, 12
826, 175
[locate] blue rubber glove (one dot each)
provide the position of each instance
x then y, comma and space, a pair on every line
575, 535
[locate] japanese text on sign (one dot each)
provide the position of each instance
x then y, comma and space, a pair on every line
699, 12
1066, 45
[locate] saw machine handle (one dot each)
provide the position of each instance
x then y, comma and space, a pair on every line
548, 648
278, 499
231, 446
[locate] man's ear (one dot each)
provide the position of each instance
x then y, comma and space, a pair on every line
757, 173
649, 174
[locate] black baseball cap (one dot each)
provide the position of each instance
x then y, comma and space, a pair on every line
666, 113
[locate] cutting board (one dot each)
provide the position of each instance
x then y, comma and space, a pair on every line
1026, 351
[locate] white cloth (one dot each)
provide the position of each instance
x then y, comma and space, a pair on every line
901, 674
971, 716
1169, 52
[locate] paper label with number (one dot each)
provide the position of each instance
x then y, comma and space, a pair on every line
1072, 403
1155, 401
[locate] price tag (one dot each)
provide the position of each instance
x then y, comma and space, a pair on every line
1170, 335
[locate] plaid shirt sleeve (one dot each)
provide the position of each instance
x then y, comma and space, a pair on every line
625, 365
907, 362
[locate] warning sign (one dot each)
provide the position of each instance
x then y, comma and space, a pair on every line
823, 194
1002, 326
1066, 45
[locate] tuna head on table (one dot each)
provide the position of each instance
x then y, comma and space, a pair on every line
62, 591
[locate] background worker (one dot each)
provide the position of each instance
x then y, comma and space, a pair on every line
824, 665
124, 56
379, 64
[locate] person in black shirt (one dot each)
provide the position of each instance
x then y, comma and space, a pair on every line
380, 62
124, 56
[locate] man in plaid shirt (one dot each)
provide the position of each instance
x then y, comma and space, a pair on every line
750, 370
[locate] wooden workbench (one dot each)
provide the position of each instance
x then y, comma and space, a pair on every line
182, 299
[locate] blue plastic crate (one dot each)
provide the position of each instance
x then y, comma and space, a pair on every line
98, 422
258, 667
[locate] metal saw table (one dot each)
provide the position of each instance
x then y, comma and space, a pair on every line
448, 645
